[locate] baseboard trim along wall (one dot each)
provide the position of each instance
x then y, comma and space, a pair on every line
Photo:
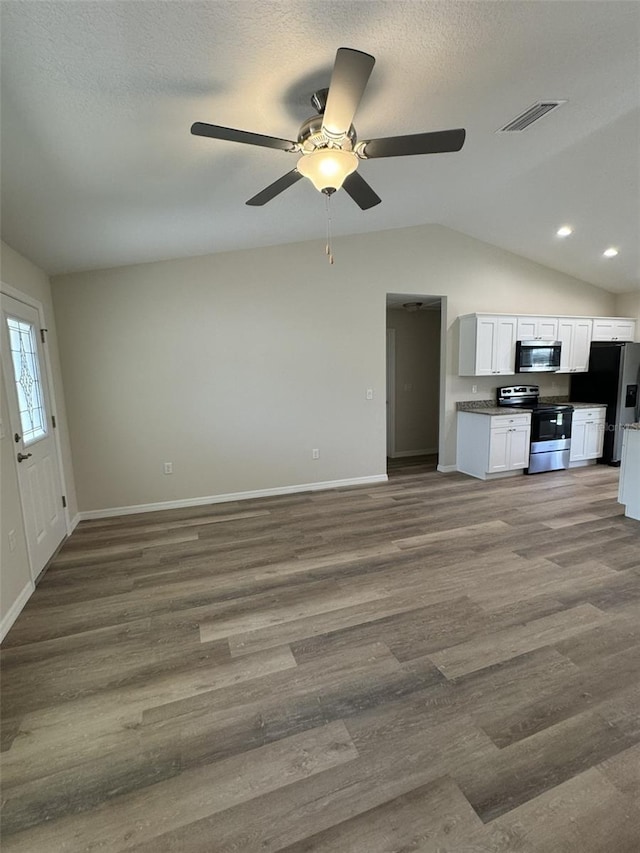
233, 496
16, 608
446, 469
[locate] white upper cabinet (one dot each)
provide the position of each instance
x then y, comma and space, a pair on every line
537, 329
575, 335
613, 329
488, 341
487, 345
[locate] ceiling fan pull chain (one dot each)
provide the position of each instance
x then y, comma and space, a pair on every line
327, 197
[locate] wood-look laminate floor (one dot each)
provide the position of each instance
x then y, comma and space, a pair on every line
432, 664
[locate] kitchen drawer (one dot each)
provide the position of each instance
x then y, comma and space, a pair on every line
595, 414
501, 421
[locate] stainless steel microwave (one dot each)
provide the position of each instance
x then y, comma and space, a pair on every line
538, 356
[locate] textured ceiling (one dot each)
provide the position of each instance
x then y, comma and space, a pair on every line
99, 167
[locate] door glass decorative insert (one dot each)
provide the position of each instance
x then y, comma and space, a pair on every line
26, 371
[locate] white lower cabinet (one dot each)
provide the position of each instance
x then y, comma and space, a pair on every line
492, 445
587, 434
629, 487
509, 448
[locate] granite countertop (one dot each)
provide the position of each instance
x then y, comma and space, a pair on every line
589, 405
488, 407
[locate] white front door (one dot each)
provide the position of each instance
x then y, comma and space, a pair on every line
32, 436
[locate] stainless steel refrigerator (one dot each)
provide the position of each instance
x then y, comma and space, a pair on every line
613, 378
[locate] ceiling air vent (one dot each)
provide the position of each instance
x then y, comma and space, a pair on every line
527, 118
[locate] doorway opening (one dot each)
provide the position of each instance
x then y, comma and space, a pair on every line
414, 337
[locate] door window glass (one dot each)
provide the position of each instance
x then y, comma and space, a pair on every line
26, 371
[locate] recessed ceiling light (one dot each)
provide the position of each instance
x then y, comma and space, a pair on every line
610, 252
564, 231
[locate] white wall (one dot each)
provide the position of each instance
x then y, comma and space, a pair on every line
628, 305
234, 366
417, 385
15, 577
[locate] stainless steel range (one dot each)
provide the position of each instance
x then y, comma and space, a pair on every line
550, 427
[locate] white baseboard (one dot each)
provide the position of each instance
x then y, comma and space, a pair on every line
16, 609
232, 496
446, 469
499, 475
74, 523
399, 454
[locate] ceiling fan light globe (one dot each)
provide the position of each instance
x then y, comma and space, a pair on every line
327, 168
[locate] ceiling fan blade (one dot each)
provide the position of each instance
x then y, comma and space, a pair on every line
417, 143
230, 134
360, 191
351, 72
275, 188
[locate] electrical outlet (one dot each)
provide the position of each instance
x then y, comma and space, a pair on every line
168, 467
369, 393
315, 453
12, 540
474, 389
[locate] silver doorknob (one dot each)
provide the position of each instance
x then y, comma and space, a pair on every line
23, 456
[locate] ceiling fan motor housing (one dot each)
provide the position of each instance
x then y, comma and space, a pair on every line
311, 136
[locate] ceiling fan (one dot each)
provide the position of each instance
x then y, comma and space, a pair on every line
327, 143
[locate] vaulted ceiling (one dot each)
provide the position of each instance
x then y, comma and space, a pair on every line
100, 169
